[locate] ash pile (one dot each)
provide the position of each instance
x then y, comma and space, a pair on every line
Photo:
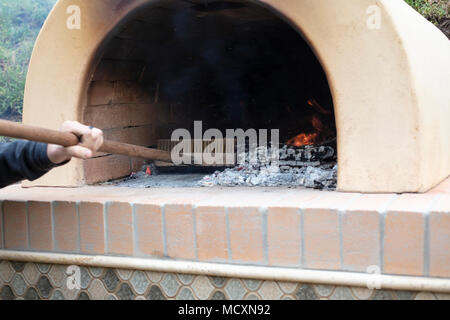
313, 166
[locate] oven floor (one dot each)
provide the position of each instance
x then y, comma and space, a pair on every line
160, 181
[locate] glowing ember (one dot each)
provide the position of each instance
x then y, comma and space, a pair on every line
307, 139
303, 139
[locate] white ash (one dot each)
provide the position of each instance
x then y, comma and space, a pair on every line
293, 169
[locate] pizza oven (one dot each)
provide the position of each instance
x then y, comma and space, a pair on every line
367, 79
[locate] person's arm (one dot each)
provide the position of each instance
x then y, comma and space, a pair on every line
31, 160
23, 160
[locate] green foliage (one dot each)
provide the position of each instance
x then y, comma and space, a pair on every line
20, 22
433, 10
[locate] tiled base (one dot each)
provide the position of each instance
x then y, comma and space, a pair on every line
33, 281
272, 227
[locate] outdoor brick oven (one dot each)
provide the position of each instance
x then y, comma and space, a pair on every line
388, 85
139, 69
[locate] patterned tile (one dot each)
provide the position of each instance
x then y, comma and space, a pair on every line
83, 296
31, 294
382, 295
57, 275
185, 279
405, 295
218, 295
125, 292
43, 281
155, 277
155, 293
69, 294
252, 296
323, 290
185, 294
6, 293
124, 274
85, 278
97, 290
218, 282
110, 280
96, 272
442, 296
202, 287
57, 295
170, 285
362, 293
139, 282
6, 271
270, 291
17, 266
425, 296
44, 287
31, 273
19, 285
43, 267
306, 292
288, 287
342, 293
252, 284
235, 289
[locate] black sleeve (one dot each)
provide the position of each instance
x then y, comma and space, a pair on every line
22, 160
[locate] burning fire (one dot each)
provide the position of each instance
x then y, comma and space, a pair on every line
303, 139
307, 139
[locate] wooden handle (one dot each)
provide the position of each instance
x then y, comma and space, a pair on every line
67, 139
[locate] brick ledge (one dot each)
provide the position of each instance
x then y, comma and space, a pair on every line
400, 234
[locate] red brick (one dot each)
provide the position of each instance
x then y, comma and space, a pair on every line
118, 70
246, 239
149, 230
440, 244
121, 115
283, 236
92, 228
211, 233
40, 225
120, 229
106, 168
180, 231
321, 238
66, 226
132, 92
100, 93
137, 164
407, 202
15, 228
141, 136
404, 243
360, 240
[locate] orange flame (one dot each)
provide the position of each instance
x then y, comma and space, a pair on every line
307, 139
303, 139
